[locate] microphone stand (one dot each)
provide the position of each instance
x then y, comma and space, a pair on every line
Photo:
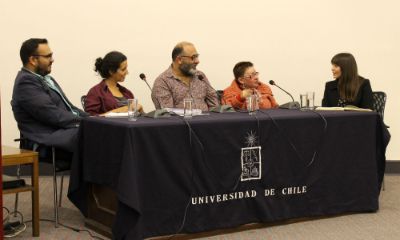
217, 107
143, 77
157, 113
285, 92
148, 85
290, 105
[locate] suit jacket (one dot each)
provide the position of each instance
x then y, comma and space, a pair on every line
364, 97
41, 113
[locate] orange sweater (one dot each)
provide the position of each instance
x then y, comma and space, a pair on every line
232, 97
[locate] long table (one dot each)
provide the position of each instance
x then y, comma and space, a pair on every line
217, 171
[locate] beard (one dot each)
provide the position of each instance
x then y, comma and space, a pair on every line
188, 69
43, 71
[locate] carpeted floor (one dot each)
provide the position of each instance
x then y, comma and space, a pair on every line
383, 225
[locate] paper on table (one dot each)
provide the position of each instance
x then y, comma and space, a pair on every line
179, 111
346, 108
329, 108
116, 115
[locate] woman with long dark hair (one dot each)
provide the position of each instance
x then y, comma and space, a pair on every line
348, 88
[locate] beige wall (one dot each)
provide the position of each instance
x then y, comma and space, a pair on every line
291, 42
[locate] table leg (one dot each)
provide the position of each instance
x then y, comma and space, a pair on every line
35, 198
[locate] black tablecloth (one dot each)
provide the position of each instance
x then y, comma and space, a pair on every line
224, 170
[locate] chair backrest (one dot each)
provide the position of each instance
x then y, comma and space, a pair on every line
379, 102
220, 93
83, 99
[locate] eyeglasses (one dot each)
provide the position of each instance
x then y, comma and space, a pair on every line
252, 75
48, 56
193, 57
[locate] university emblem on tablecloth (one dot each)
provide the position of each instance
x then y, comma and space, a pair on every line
251, 159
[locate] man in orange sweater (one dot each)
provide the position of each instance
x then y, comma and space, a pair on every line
246, 83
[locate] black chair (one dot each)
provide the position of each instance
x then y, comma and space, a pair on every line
379, 102
61, 162
83, 100
220, 94
379, 107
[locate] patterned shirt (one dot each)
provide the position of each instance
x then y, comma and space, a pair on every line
169, 92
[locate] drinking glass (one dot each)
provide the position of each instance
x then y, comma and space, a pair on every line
252, 104
310, 100
132, 109
187, 107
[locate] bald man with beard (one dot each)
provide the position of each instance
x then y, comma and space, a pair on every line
182, 80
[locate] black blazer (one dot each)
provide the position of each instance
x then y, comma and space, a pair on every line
41, 114
364, 97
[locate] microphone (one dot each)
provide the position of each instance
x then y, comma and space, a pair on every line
158, 113
218, 108
143, 77
200, 76
290, 105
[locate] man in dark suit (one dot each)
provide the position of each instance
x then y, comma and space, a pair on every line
43, 112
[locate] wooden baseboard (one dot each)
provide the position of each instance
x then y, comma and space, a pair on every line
393, 167
245, 227
98, 228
